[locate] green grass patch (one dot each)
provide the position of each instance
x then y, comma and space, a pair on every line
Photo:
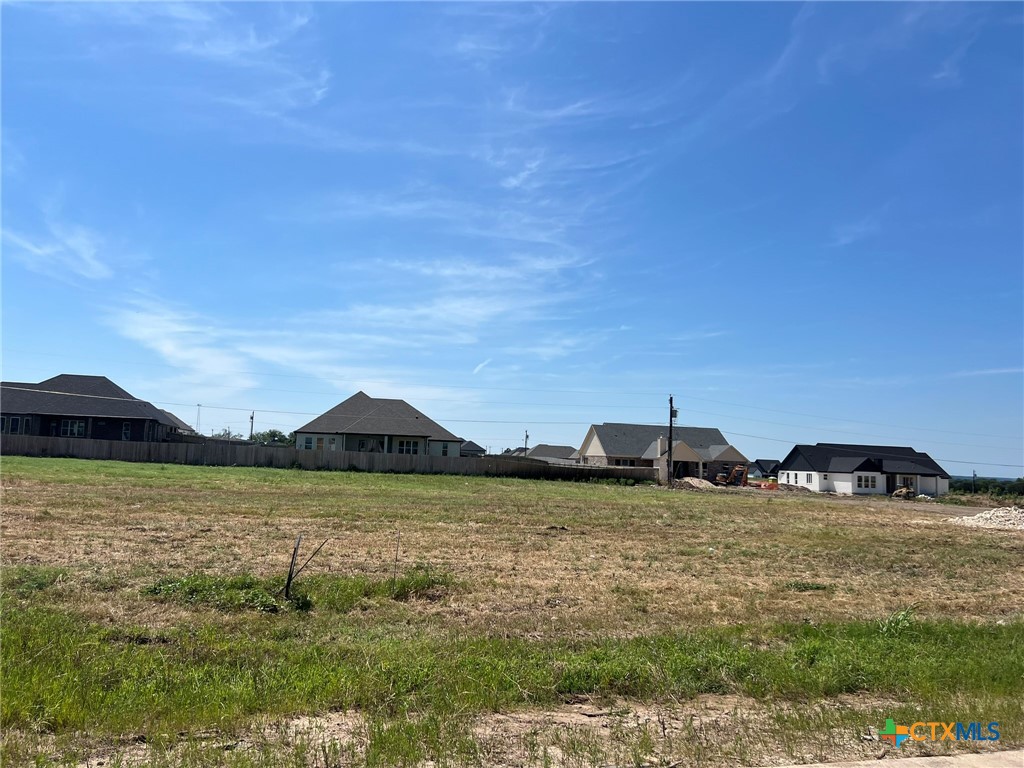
225, 593
62, 674
323, 591
807, 586
24, 580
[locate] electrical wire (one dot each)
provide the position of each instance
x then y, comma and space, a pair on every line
549, 391
482, 421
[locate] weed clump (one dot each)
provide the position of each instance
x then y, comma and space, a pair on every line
24, 580
325, 591
225, 593
807, 586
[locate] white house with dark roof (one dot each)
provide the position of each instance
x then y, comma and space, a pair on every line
696, 451
377, 425
862, 469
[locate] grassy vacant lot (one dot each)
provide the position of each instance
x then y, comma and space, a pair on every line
531, 623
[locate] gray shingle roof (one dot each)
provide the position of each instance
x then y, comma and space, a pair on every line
181, 425
545, 451
634, 439
74, 395
365, 415
627, 439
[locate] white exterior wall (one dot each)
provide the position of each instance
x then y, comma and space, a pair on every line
932, 486
834, 482
842, 482
801, 478
879, 488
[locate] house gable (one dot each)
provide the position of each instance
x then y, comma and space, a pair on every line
365, 415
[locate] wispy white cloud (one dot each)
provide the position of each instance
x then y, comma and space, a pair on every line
485, 33
276, 71
866, 227
949, 73
848, 234
215, 361
66, 251
855, 51
986, 372
481, 366
193, 344
538, 224
695, 336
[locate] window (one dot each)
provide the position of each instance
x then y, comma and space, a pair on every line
308, 444
444, 449
3, 423
72, 428
860, 481
319, 443
408, 446
331, 443
26, 426
625, 462
362, 445
874, 481
15, 425
126, 430
808, 477
825, 476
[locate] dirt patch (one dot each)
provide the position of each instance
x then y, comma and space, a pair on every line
695, 484
713, 731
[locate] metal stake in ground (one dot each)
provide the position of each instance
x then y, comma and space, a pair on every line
291, 568
394, 575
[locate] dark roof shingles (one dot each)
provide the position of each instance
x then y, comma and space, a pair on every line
74, 395
365, 415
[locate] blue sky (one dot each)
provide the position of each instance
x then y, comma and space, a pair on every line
804, 221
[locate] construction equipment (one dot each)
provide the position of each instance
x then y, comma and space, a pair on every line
736, 476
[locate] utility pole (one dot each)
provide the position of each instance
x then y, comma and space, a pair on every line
974, 477
199, 410
526, 440
671, 419
252, 418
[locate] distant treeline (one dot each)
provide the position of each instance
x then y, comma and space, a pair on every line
990, 485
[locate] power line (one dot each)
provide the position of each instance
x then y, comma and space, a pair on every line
551, 391
458, 421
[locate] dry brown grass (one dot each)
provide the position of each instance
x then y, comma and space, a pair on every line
534, 560
630, 560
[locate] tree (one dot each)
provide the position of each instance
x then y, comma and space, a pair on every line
226, 434
275, 436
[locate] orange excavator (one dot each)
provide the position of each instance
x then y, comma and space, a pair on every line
736, 476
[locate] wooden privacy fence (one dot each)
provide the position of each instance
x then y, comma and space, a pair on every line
221, 453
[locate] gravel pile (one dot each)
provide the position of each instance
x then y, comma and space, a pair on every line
1006, 518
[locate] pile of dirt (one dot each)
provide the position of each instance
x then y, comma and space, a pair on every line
794, 488
1004, 518
695, 484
